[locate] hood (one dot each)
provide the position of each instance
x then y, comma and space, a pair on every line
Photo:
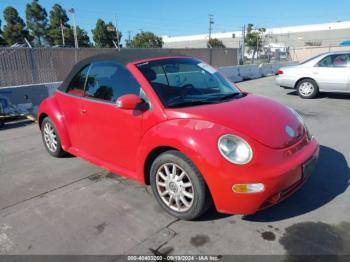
258, 117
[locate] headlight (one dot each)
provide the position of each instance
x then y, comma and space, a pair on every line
235, 149
301, 120
297, 115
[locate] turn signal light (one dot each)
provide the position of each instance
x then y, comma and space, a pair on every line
279, 72
248, 188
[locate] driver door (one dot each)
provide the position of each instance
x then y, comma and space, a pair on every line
110, 134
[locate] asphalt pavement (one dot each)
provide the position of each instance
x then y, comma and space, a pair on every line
68, 206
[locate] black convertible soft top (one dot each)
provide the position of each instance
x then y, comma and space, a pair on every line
123, 57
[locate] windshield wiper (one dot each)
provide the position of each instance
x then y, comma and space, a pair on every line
203, 101
190, 103
228, 96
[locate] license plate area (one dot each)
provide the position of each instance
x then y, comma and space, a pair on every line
308, 167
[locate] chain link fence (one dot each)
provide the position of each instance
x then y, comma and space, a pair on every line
25, 66
289, 54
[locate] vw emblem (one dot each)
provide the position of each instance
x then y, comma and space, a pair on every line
290, 131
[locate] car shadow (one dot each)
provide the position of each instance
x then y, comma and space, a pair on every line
15, 124
330, 179
344, 96
212, 214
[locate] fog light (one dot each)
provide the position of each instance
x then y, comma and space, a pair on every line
248, 188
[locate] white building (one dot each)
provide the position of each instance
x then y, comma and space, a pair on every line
328, 34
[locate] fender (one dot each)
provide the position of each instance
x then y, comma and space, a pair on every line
51, 108
187, 136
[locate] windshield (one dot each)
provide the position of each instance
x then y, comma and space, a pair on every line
181, 82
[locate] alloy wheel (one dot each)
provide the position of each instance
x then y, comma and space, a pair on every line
175, 187
50, 137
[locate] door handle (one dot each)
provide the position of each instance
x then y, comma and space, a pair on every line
83, 111
315, 73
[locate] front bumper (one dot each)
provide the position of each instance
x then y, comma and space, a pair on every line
306, 170
281, 180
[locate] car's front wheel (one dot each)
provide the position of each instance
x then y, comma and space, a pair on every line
51, 138
307, 88
178, 186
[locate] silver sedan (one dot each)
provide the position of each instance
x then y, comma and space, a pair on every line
329, 72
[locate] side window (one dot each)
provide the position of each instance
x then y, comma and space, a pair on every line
76, 86
339, 60
108, 81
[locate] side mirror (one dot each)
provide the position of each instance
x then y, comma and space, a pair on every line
130, 102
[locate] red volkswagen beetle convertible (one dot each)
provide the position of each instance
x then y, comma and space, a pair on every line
175, 123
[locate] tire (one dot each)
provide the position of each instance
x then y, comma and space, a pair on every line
187, 182
307, 88
51, 138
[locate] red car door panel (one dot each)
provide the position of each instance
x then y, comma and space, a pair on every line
110, 134
70, 107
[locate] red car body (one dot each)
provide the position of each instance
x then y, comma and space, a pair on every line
125, 141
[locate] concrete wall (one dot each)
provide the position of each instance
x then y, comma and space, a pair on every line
25, 99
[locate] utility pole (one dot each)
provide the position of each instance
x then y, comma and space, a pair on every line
116, 31
243, 45
211, 22
62, 33
72, 11
129, 37
257, 46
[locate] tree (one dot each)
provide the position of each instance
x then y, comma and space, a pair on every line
36, 17
14, 30
82, 36
58, 17
2, 40
254, 39
146, 40
114, 34
104, 34
215, 43
99, 34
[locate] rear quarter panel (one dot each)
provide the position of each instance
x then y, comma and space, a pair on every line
291, 75
50, 108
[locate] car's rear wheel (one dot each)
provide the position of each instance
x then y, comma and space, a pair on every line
307, 88
178, 186
51, 138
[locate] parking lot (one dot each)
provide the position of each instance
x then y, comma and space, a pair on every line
68, 206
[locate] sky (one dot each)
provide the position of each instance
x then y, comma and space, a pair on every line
186, 17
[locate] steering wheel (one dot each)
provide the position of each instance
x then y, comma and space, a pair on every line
189, 89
